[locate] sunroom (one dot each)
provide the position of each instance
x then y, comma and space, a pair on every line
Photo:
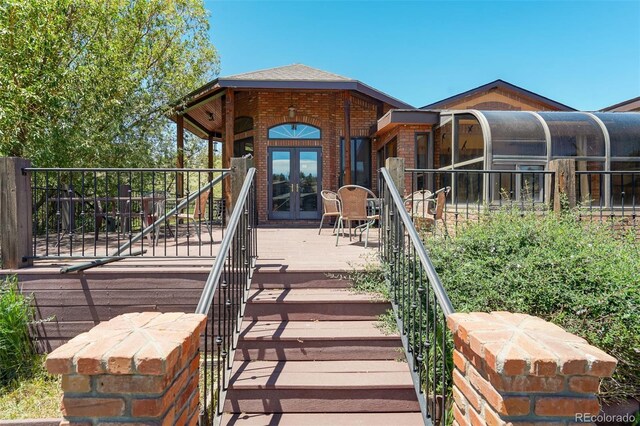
606, 147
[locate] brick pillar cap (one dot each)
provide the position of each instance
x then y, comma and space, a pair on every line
149, 343
519, 344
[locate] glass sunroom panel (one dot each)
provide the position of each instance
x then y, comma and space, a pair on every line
574, 134
469, 140
443, 140
625, 183
469, 184
624, 132
516, 133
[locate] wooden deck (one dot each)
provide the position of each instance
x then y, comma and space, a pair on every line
279, 250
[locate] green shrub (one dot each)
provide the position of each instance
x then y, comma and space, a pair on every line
584, 278
17, 354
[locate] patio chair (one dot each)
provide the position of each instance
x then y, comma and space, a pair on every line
354, 206
330, 208
427, 218
123, 212
198, 215
419, 203
153, 206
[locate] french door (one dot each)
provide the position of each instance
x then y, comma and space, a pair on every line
295, 182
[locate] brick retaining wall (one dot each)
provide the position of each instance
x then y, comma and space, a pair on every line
519, 369
140, 367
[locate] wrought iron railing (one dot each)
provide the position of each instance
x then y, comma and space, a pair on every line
611, 198
476, 191
105, 212
224, 297
420, 303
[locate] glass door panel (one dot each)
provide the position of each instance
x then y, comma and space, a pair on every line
295, 180
308, 182
281, 185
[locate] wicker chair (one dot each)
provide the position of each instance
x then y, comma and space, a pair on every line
427, 218
419, 203
354, 203
330, 208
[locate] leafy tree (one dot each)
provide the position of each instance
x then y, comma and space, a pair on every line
87, 82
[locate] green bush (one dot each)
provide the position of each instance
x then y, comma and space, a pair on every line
585, 278
17, 353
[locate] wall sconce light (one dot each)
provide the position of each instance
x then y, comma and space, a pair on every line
210, 115
292, 112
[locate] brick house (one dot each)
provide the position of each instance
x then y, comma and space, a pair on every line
294, 121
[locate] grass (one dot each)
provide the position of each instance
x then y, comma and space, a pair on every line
32, 397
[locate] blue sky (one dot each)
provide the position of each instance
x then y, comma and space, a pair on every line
585, 54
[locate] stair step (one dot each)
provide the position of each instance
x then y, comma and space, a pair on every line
316, 341
324, 419
313, 304
300, 279
319, 386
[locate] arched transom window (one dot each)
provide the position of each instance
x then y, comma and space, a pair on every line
294, 131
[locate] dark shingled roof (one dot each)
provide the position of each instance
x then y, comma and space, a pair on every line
296, 77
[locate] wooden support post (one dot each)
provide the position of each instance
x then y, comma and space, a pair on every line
227, 149
15, 213
239, 169
227, 146
395, 166
347, 138
210, 156
180, 154
564, 187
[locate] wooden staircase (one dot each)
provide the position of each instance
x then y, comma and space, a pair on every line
311, 353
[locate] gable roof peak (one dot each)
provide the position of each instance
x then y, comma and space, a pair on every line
499, 84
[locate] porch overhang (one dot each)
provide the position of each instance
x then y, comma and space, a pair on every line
398, 117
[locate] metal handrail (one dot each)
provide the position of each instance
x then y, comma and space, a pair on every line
116, 169
204, 304
432, 275
224, 298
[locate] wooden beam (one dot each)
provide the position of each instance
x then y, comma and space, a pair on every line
180, 154
189, 119
347, 138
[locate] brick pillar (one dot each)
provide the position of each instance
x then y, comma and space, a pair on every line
519, 369
136, 368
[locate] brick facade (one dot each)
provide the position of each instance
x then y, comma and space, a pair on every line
139, 368
406, 139
518, 369
323, 109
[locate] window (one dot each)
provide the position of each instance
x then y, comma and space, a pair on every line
525, 184
242, 124
360, 162
423, 159
294, 131
243, 147
422, 153
625, 184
